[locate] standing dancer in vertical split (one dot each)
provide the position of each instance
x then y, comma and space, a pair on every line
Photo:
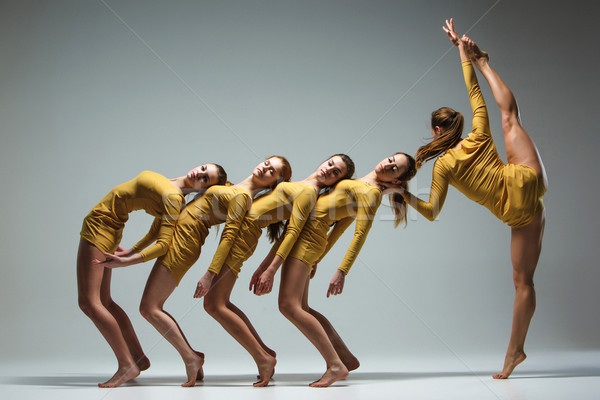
218, 204
350, 199
100, 236
512, 192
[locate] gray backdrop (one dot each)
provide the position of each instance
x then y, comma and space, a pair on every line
93, 92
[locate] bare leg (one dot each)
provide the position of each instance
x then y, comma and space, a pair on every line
135, 348
294, 282
159, 287
520, 148
217, 304
526, 245
349, 360
89, 282
244, 318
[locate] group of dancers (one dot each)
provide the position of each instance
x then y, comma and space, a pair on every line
304, 219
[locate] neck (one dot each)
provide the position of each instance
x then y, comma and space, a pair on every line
312, 180
250, 186
182, 184
371, 179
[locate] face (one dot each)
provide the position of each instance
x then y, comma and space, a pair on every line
203, 176
331, 171
268, 171
389, 169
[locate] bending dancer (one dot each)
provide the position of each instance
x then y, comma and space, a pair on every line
350, 199
291, 201
512, 192
218, 204
100, 236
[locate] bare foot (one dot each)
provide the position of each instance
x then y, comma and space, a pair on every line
332, 375
122, 375
194, 370
143, 363
265, 370
510, 362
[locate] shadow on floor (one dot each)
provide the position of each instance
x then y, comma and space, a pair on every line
298, 379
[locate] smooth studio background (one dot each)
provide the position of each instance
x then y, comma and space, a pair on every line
93, 92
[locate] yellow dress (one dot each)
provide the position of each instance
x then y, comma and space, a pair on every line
289, 200
512, 192
149, 191
350, 199
218, 204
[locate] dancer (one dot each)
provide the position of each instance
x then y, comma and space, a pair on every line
350, 199
100, 236
291, 201
512, 192
218, 204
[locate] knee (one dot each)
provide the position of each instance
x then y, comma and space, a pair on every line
213, 308
148, 310
289, 308
523, 282
89, 307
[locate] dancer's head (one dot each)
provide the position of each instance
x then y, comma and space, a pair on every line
397, 170
270, 172
335, 168
204, 176
446, 128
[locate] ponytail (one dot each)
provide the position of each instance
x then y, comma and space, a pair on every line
451, 123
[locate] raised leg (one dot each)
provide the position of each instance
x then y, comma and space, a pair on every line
159, 287
217, 304
89, 283
526, 245
349, 360
135, 348
294, 281
520, 148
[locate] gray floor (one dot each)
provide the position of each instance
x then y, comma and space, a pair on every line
558, 375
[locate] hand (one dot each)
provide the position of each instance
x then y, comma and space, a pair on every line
265, 283
112, 261
123, 252
336, 286
449, 29
314, 271
255, 277
389, 187
204, 284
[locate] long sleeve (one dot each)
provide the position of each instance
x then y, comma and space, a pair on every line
437, 195
164, 233
339, 228
236, 211
481, 121
302, 207
364, 220
149, 238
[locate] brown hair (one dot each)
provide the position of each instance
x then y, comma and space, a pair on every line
276, 229
396, 200
221, 175
451, 123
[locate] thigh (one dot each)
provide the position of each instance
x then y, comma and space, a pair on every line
526, 246
159, 286
294, 280
520, 149
89, 275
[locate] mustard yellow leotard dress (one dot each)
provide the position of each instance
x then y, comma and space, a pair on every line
218, 204
149, 191
350, 199
512, 192
289, 200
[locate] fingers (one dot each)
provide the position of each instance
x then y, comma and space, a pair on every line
200, 291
